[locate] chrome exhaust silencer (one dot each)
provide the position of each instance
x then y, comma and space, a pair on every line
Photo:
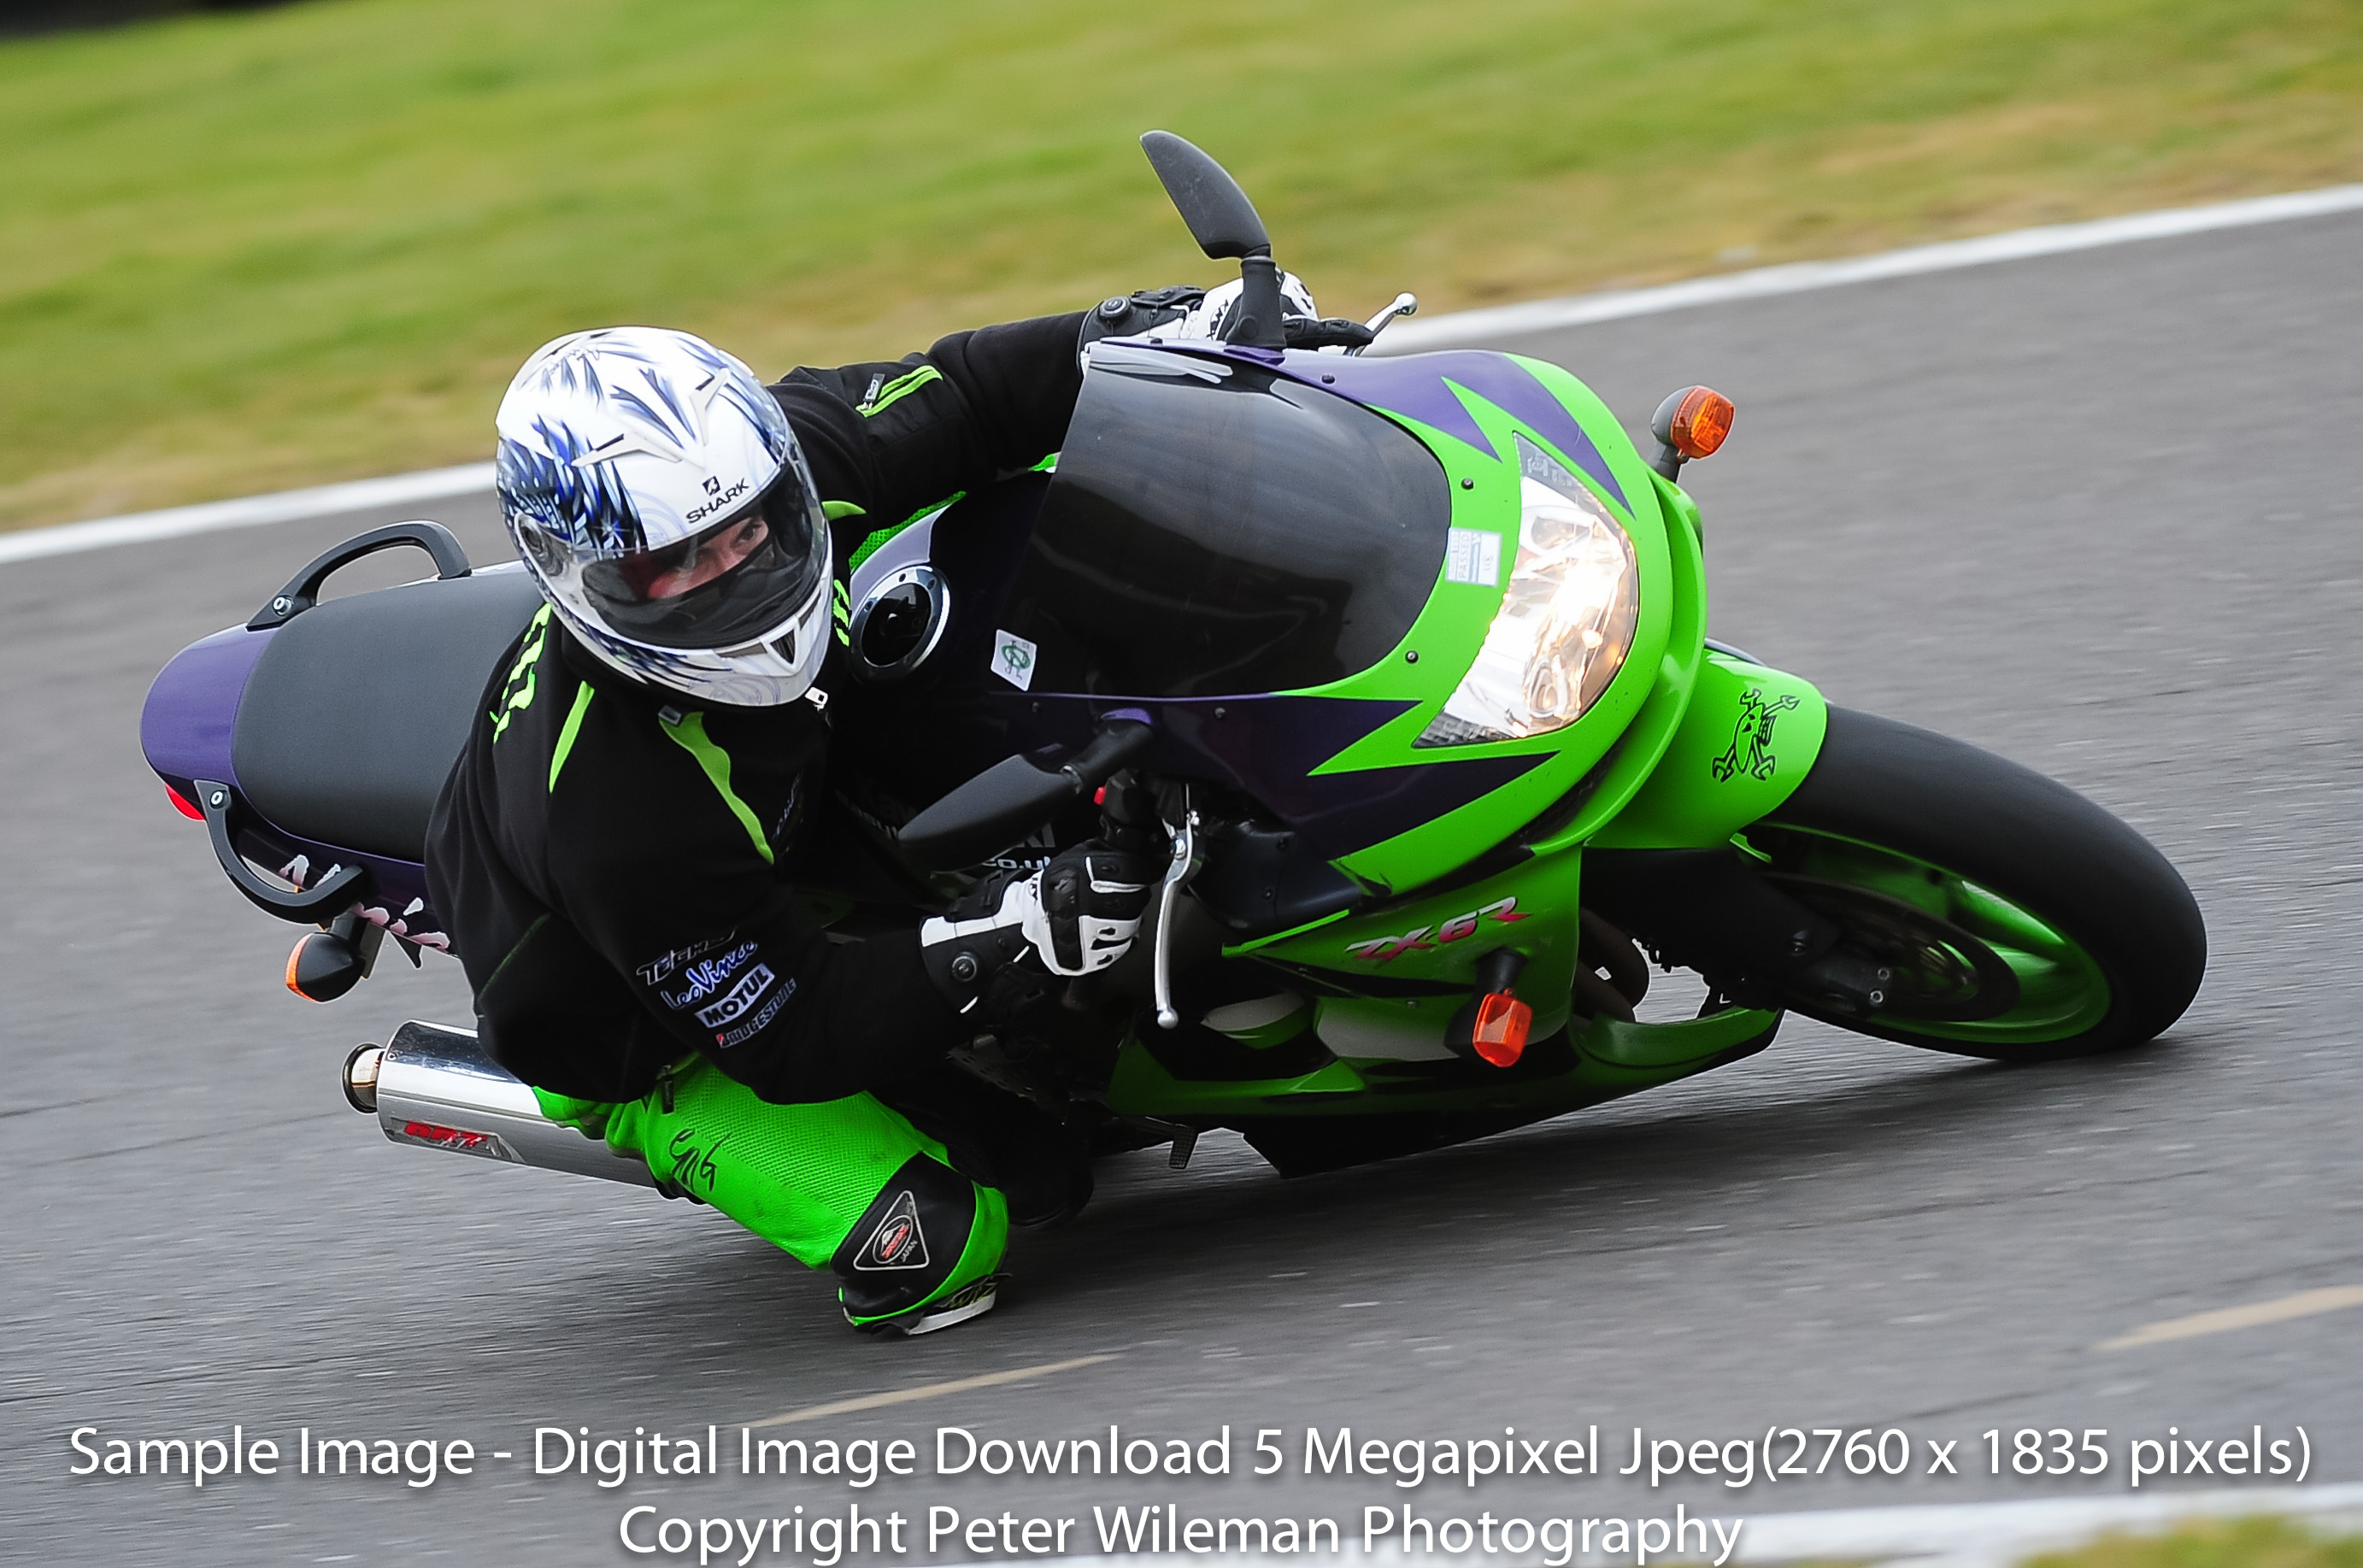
438, 1089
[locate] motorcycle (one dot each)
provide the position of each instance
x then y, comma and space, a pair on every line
1400, 663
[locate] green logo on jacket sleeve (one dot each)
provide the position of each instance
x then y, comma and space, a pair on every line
516, 694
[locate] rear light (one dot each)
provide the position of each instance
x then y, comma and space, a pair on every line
1500, 1035
184, 805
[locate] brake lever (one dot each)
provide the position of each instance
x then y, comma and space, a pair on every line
1326, 332
1402, 305
1183, 866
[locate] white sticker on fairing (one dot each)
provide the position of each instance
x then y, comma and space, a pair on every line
1012, 659
1473, 555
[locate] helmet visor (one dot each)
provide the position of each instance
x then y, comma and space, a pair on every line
734, 583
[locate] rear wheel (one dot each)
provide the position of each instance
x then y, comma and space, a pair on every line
2013, 919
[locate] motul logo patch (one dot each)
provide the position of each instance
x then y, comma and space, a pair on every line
898, 1243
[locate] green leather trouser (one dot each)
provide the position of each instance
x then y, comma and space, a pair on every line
801, 1176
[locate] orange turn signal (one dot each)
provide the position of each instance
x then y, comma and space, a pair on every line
323, 966
1500, 1035
1701, 422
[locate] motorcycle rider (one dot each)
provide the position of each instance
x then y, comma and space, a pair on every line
609, 851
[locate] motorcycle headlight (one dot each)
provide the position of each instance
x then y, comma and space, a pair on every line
1566, 622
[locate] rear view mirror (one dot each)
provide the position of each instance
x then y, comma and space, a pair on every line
1221, 219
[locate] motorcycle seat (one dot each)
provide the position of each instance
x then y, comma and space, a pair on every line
355, 713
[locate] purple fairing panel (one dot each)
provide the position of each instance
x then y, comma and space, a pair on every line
1419, 386
186, 730
1268, 746
192, 708
397, 888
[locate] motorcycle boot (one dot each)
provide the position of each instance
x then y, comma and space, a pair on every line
847, 1185
913, 1263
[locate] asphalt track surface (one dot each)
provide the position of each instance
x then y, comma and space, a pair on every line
2098, 513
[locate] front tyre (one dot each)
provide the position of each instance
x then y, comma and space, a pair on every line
2017, 920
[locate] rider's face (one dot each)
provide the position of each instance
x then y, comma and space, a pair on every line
709, 559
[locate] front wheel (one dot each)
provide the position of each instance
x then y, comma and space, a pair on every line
2015, 919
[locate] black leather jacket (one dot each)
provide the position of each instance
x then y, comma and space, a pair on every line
623, 904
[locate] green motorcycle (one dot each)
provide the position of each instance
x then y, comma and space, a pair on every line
1400, 663
1406, 660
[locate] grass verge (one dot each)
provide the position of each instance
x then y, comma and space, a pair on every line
250, 250
2221, 1543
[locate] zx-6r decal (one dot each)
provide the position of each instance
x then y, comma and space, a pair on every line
1385, 948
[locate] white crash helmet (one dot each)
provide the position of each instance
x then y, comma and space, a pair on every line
626, 457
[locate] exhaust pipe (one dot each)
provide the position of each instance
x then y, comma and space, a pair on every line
438, 1089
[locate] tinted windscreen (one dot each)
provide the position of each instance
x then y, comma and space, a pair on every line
1214, 529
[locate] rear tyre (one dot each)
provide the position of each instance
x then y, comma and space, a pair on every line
1947, 864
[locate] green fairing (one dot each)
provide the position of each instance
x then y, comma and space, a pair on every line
1611, 1060
1746, 741
1683, 748
1451, 629
1531, 907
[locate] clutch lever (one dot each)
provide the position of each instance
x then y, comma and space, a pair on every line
1178, 872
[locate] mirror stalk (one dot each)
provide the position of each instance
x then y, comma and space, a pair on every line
1261, 307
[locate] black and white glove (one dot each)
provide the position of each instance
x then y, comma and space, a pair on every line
1183, 311
998, 948
1136, 315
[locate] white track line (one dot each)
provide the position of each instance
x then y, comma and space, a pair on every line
1408, 336
1946, 1535
927, 1391
286, 506
1992, 1535
1800, 277
2224, 1320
